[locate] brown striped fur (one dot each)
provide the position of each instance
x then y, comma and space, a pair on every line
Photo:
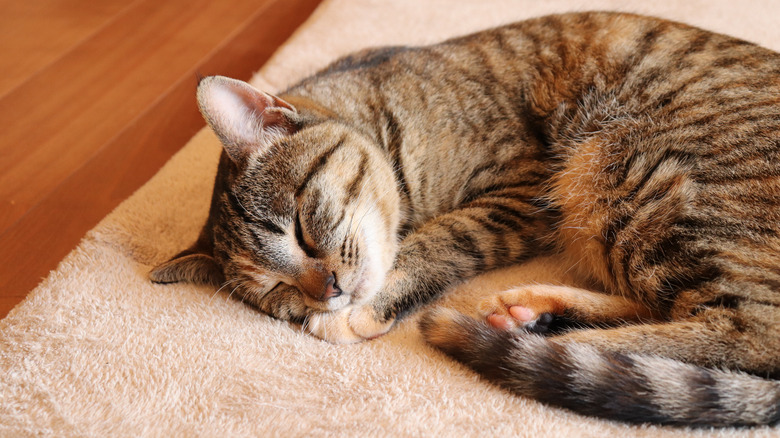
644, 151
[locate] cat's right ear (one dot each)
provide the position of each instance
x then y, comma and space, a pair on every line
192, 265
245, 119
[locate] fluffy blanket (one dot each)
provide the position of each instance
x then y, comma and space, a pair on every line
97, 350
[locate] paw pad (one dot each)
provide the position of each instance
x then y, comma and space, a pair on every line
522, 318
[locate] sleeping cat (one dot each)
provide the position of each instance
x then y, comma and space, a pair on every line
645, 151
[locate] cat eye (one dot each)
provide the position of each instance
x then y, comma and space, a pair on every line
308, 249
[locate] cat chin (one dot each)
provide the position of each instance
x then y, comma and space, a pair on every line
329, 305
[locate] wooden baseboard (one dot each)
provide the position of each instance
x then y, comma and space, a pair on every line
91, 126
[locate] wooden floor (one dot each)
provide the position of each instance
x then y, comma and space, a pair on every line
95, 96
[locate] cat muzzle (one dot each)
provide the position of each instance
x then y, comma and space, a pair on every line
320, 287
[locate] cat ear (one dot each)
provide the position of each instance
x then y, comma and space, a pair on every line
244, 118
193, 265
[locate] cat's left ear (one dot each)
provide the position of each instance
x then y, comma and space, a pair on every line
245, 119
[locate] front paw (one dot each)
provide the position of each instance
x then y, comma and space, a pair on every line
348, 325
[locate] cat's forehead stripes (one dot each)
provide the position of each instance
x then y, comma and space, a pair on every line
318, 164
354, 186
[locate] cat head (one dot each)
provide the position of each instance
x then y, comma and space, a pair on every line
300, 199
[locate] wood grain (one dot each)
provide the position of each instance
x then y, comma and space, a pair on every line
27, 27
91, 127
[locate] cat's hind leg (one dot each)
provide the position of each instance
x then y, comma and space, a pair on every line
540, 308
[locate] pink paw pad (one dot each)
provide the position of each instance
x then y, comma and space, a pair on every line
522, 317
499, 322
523, 314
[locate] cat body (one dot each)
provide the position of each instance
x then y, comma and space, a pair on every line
644, 151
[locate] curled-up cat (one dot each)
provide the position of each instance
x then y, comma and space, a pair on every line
647, 152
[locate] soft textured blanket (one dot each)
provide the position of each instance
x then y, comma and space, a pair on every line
97, 350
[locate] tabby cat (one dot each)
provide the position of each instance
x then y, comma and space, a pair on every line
647, 152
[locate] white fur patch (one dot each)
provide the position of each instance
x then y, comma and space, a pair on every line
347, 326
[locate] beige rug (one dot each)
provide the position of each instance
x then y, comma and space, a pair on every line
97, 350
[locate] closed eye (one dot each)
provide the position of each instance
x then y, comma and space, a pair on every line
308, 249
270, 226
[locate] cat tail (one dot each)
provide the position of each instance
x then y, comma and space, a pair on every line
627, 387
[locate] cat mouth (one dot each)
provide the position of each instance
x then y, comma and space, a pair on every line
334, 303
353, 295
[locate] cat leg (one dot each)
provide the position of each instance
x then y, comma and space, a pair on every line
716, 337
536, 307
490, 232
349, 324
283, 302
354, 323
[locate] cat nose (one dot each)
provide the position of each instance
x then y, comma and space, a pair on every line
331, 289
320, 287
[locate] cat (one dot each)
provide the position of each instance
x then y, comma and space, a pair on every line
645, 151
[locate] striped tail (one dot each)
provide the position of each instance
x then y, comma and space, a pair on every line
630, 388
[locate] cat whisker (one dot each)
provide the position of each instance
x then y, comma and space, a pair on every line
574, 265
305, 324
222, 287
232, 291
242, 206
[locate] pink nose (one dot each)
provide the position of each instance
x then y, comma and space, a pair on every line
331, 290
320, 287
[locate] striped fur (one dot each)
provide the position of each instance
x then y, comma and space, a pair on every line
627, 387
645, 151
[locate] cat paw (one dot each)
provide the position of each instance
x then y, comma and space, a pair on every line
348, 325
528, 308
